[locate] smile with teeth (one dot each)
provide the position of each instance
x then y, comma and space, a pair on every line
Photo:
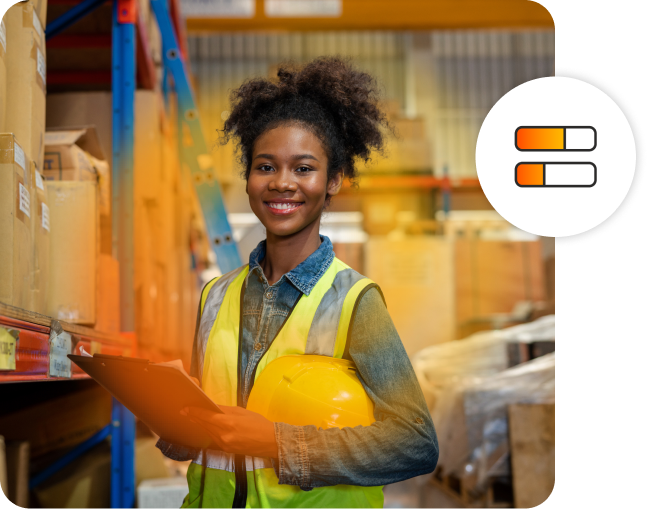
283, 206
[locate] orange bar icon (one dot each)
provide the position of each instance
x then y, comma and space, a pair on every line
540, 138
529, 174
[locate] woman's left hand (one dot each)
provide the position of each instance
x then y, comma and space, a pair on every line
237, 430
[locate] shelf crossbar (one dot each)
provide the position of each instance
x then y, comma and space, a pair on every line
70, 17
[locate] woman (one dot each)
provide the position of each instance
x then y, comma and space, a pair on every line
299, 138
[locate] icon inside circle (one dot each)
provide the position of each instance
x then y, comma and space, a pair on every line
555, 139
555, 174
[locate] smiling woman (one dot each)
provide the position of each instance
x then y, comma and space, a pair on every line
296, 304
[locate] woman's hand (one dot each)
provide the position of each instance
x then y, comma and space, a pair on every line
237, 431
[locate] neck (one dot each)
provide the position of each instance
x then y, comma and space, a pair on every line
284, 253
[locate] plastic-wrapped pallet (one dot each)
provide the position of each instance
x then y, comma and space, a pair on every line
446, 371
166, 492
476, 441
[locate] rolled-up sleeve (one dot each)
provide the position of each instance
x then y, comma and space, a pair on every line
401, 444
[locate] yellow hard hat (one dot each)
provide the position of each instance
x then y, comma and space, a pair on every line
311, 389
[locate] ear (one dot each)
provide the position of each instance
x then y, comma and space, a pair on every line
335, 184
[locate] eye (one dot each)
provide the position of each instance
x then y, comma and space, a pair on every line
303, 169
266, 167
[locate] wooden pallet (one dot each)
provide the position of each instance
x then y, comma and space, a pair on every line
459, 490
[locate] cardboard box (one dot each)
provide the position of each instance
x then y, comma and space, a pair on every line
165, 492
415, 275
409, 128
17, 458
68, 152
74, 248
3, 76
26, 77
41, 242
15, 224
76, 153
40, 7
83, 108
107, 319
491, 276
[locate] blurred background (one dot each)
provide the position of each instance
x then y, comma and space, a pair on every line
471, 295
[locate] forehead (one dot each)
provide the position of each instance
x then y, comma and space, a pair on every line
289, 139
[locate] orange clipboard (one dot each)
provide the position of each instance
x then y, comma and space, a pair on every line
154, 393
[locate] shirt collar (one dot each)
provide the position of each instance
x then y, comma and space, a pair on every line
306, 275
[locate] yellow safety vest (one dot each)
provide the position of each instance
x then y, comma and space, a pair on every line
318, 324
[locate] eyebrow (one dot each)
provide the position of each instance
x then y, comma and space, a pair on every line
295, 157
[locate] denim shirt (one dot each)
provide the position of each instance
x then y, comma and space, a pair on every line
401, 444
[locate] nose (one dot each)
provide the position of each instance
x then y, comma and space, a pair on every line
283, 181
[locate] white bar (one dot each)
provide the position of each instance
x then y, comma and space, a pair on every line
580, 138
578, 174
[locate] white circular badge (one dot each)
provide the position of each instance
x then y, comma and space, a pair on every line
555, 156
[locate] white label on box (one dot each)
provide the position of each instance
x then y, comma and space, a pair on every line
23, 199
3, 35
45, 216
19, 156
60, 346
37, 25
39, 181
40, 63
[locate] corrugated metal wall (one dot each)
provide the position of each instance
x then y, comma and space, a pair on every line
451, 79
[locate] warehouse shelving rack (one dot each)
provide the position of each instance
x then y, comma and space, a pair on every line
131, 64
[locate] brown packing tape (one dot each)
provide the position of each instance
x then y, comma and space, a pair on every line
30, 20
6, 148
37, 54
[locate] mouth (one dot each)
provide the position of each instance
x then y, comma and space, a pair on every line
282, 208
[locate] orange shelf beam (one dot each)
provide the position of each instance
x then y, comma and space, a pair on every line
396, 15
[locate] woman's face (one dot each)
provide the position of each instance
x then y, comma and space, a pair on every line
287, 184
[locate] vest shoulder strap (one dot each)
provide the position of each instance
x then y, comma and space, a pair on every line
330, 327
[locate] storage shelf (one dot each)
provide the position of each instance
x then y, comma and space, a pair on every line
377, 182
32, 354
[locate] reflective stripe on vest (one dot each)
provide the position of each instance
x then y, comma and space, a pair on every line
319, 324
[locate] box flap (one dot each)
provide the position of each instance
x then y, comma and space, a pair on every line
63, 137
86, 137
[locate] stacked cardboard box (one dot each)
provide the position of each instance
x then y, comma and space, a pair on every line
40, 221
415, 275
3, 75
406, 152
74, 249
26, 77
492, 276
89, 109
15, 224
75, 156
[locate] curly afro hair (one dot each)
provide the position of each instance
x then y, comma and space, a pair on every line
328, 96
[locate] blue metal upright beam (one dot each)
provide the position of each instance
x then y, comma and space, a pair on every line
122, 477
122, 488
123, 104
196, 154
